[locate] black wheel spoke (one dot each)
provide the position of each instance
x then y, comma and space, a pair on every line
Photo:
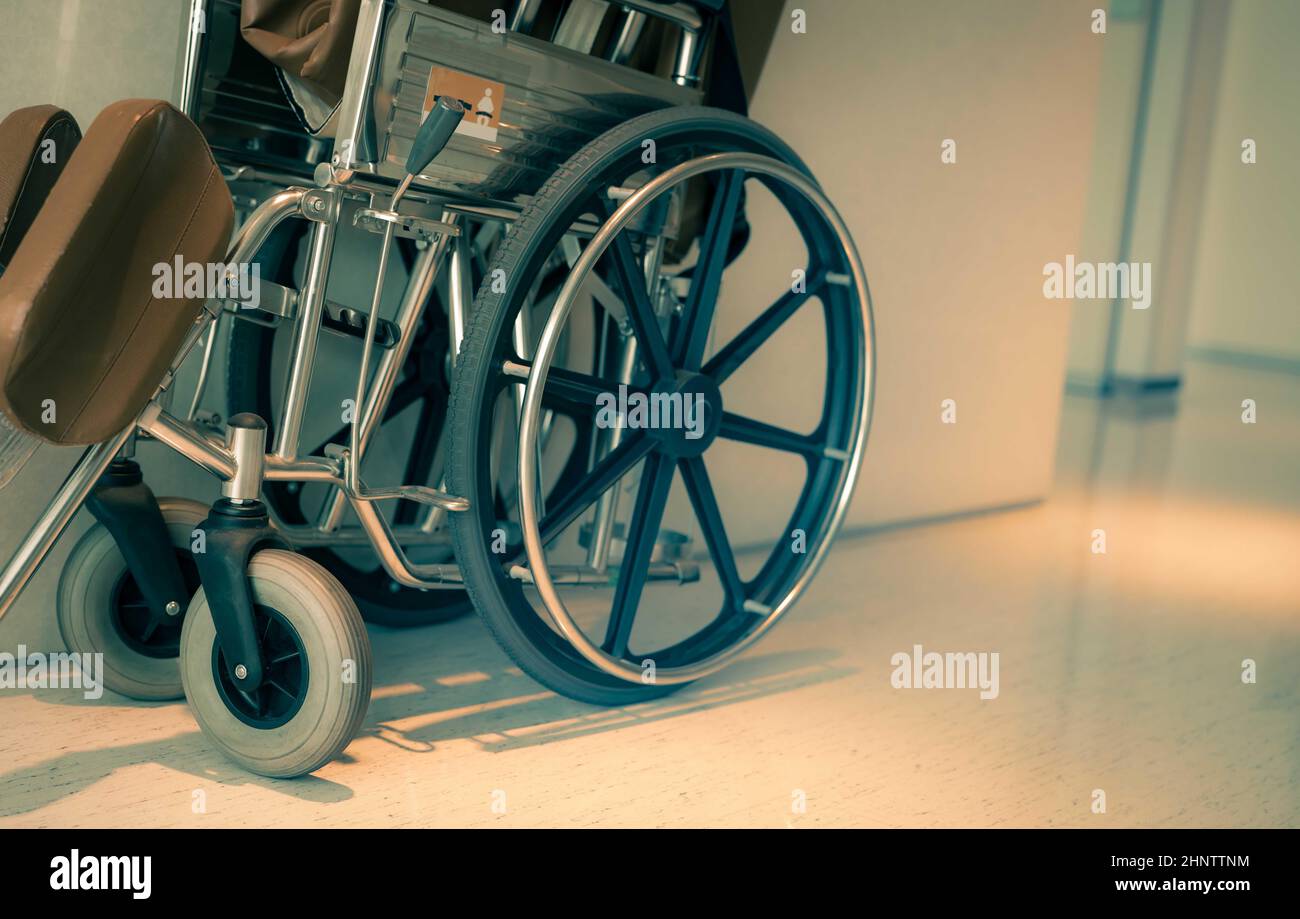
563, 511
705, 503
580, 388
403, 396
640, 313
751, 338
574, 393
274, 685
693, 332
419, 462
679, 361
747, 430
254, 699
570, 408
278, 697
652, 495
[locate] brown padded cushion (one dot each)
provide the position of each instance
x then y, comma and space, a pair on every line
29, 167
311, 39
78, 320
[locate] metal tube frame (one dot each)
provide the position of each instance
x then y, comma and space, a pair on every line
196, 26
352, 153
280, 465
311, 305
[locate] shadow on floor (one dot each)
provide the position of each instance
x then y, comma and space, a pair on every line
510, 711
25, 790
500, 712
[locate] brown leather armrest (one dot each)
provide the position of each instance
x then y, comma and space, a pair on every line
35, 143
84, 342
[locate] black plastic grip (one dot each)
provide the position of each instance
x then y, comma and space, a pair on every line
434, 133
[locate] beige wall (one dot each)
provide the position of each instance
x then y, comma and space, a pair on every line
1244, 293
954, 253
84, 54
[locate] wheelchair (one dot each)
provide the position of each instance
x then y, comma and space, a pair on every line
557, 156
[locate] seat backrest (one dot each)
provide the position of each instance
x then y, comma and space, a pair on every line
35, 143
84, 341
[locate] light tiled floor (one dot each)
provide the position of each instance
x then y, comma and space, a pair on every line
1119, 672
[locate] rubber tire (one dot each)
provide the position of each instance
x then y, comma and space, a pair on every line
474, 368
331, 631
84, 607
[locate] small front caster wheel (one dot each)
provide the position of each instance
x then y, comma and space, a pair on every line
101, 609
316, 665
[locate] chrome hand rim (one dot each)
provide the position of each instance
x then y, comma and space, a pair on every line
530, 415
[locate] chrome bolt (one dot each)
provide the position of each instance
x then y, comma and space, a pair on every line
317, 204
172, 607
241, 671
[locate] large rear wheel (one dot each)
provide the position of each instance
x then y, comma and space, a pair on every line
632, 630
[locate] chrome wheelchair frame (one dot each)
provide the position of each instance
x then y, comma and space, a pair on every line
238, 463
359, 177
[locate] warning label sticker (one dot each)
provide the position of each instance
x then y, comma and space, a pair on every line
481, 97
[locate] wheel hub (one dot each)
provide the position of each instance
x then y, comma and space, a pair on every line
285, 675
131, 620
827, 487
683, 414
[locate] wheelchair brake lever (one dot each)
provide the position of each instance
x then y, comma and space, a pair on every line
434, 133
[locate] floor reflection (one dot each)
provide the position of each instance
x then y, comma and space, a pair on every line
1121, 672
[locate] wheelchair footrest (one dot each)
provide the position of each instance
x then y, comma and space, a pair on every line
408, 226
581, 575
421, 493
